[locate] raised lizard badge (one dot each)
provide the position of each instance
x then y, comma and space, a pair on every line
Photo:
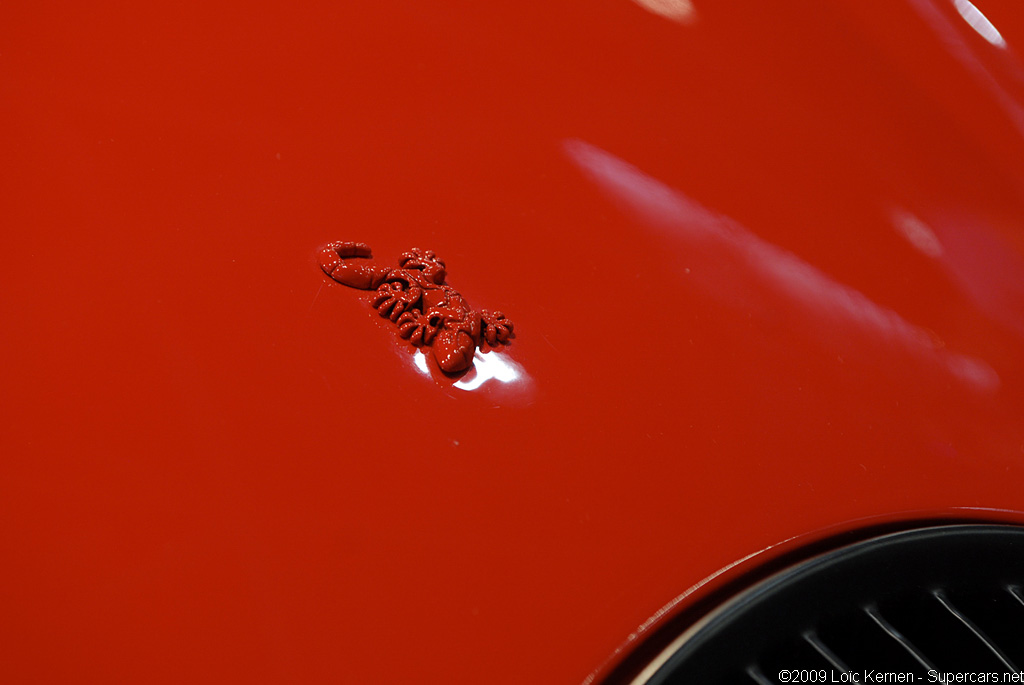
427, 311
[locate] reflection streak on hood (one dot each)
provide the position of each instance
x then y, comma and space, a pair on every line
734, 264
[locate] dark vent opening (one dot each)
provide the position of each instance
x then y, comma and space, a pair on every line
947, 599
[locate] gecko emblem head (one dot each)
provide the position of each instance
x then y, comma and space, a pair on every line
414, 295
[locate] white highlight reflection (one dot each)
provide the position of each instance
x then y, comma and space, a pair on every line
419, 360
917, 233
947, 32
732, 263
493, 366
979, 22
679, 11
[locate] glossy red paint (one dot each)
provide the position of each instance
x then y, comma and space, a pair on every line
765, 265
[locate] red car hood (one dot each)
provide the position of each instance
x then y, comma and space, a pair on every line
766, 268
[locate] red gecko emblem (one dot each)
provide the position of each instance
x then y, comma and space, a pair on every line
415, 297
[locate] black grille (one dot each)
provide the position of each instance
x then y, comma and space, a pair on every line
926, 603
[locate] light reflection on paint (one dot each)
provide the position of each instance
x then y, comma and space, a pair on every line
955, 44
976, 256
979, 22
917, 233
493, 366
419, 360
740, 267
679, 11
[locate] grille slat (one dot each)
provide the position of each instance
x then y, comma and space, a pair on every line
891, 631
1016, 592
755, 674
821, 648
992, 647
